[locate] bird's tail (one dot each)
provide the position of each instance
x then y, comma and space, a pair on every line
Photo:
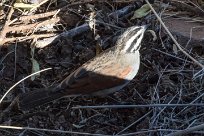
39, 97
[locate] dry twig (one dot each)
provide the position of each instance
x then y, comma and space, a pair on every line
187, 131
6, 26
21, 81
51, 130
174, 40
137, 106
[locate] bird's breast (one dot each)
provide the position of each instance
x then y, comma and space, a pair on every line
123, 66
131, 61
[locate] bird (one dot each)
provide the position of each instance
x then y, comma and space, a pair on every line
104, 74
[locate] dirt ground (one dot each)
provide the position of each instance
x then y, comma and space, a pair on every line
64, 34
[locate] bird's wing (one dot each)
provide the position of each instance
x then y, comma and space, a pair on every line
83, 81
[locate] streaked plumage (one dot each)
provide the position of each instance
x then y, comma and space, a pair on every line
106, 73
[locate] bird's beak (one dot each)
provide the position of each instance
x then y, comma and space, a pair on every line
145, 26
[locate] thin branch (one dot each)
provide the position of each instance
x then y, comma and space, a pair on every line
34, 25
82, 28
50, 130
38, 16
23, 38
135, 122
187, 131
21, 81
6, 26
137, 106
174, 40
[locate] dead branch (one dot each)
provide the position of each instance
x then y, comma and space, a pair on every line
174, 40
83, 28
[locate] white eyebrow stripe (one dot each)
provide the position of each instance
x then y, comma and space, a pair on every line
137, 43
129, 42
130, 30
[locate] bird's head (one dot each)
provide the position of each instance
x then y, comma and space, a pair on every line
130, 40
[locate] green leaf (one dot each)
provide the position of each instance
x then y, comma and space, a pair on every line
141, 12
35, 68
35, 64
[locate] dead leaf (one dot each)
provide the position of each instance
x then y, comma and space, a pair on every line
153, 34
175, 49
24, 6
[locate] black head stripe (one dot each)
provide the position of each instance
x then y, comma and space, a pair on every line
132, 45
127, 35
